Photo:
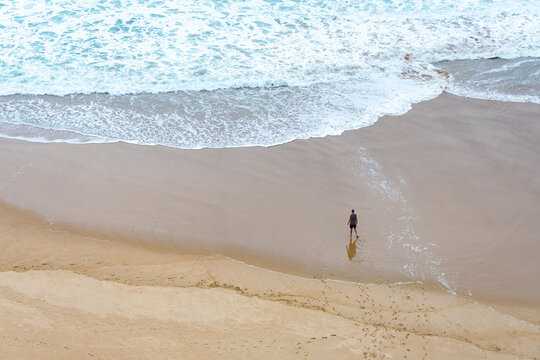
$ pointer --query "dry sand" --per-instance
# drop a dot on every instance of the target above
(67, 295)
(449, 193)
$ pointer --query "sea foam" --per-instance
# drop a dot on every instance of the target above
(237, 73)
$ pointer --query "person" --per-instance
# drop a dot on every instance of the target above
(352, 223)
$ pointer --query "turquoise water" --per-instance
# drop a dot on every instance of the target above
(237, 73)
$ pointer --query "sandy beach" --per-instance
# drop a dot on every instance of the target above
(67, 295)
(126, 251)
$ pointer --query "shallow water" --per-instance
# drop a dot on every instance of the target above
(216, 118)
(227, 74)
(516, 80)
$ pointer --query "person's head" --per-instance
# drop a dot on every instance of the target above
(352, 211)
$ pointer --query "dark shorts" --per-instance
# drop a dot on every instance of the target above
(352, 226)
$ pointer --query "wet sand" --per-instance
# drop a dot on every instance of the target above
(66, 295)
(96, 245)
(448, 194)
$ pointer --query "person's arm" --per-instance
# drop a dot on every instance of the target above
(349, 220)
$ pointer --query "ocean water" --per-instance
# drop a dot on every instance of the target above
(220, 73)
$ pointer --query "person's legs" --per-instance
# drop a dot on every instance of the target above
(350, 238)
(356, 232)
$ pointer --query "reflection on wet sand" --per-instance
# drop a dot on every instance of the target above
(351, 249)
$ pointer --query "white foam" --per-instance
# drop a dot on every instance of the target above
(222, 118)
(88, 46)
(343, 64)
(418, 261)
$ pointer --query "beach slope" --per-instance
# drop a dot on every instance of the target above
(66, 295)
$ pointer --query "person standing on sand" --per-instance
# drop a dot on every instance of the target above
(352, 223)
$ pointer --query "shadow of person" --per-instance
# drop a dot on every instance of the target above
(351, 249)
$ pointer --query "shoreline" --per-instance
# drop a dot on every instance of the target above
(283, 175)
(45, 135)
